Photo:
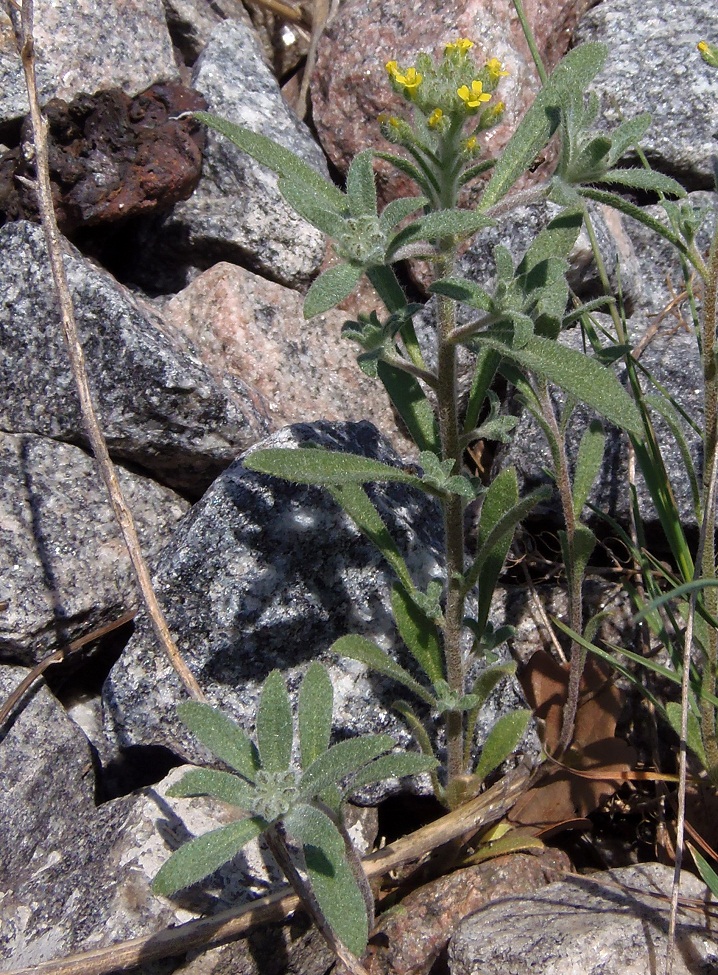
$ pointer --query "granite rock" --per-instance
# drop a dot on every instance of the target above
(159, 407)
(243, 325)
(653, 66)
(191, 22)
(350, 89)
(613, 923)
(236, 213)
(85, 46)
(64, 569)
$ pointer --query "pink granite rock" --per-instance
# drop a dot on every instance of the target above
(246, 326)
(350, 88)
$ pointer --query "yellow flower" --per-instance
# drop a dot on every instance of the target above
(496, 70)
(474, 98)
(435, 118)
(462, 46)
(709, 53)
(410, 80)
(470, 144)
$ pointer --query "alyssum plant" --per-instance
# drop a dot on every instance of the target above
(513, 331)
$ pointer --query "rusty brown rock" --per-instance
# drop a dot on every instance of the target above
(409, 939)
(350, 88)
(111, 157)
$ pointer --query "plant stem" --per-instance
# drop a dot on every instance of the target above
(453, 520)
(531, 41)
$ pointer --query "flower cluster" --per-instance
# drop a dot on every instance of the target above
(446, 93)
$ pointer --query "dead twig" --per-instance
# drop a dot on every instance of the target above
(57, 657)
(235, 923)
(21, 14)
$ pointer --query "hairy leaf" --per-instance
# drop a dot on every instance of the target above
(341, 760)
(203, 855)
(502, 495)
(502, 741)
(274, 725)
(211, 782)
(396, 765)
(361, 188)
(359, 648)
(419, 633)
(411, 403)
(644, 179)
(314, 713)
(337, 892)
(588, 465)
(221, 735)
(308, 465)
(331, 287)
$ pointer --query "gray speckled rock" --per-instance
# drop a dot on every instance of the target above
(159, 406)
(592, 925)
(64, 569)
(83, 46)
(264, 574)
(653, 66)
(236, 213)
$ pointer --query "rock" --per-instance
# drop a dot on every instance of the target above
(236, 213)
(191, 22)
(84, 47)
(263, 574)
(112, 157)
(410, 937)
(669, 79)
(350, 88)
(67, 571)
(246, 326)
(610, 923)
(159, 407)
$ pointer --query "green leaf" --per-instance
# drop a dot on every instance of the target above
(419, 633)
(341, 760)
(411, 403)
(584, 378)
(588, 465)
(309, 465)
(210, 782)
(274, 725)
(314, 713)
(311, 206)
(556, 239)
(501, 497)
(397, 210)
(574, 73)
(644, 179)
(422, 739)
(694, 738)
(507, 522)
(437, 225)
(359, 648)
(330, 288)
(627, 135)
(275, 157)
(639, 214)
(337, 892)
(221, 735)
(502, 741)
(487, 362)
(203, 855)
(397, 765)
(355, 501)
(710, 877)
(361, 188)
(483, 686)
(463, 290)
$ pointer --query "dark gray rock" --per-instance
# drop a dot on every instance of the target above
(159, 406)
(64, 569)
(653, 66)
(85, 46)
(236, 213)
(605, 924)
